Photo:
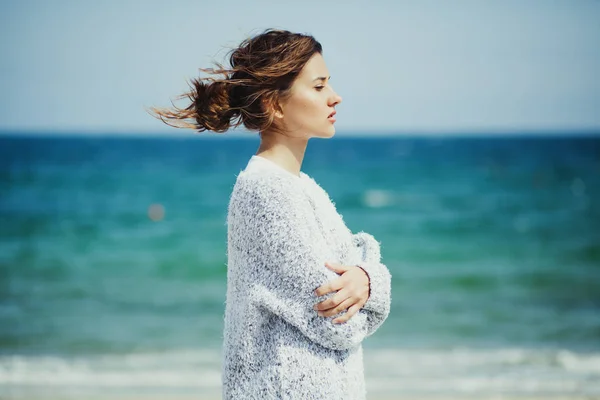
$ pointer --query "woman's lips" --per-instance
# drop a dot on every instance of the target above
(331, 117)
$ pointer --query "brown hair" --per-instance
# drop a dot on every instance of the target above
(262, 70)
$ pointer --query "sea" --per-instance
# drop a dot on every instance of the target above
(113, 261)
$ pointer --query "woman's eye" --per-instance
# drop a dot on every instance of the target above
(319, 88)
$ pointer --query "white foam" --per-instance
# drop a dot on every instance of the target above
(457, 371)
(483, 371)
(377, 198)
(194, 369)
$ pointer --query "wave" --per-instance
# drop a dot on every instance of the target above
(459, 371)
(467, 371)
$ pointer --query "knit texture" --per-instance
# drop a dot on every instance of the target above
(282, 228)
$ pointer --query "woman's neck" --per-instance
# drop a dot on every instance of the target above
(284, 151)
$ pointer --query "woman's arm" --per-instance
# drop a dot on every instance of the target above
(272, 223)
(371, 250)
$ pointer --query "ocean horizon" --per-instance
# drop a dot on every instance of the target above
(342, 134)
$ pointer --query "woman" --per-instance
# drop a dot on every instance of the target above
(302, 290)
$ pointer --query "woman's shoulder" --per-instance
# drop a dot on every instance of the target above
(265, 181)
(267, 188)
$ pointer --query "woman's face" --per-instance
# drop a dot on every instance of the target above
(309, 111)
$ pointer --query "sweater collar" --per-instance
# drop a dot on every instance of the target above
(266, 163)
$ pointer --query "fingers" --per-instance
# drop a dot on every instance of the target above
(338, 268)
(351, 293)
(344, 318)
(333, 301)
(344, 305)
(331, 286)
(335, 284)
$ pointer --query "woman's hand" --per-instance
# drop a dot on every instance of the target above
(352, 292)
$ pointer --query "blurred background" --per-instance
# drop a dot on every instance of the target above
(468, 144)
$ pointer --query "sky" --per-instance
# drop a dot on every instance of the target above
(401, 66)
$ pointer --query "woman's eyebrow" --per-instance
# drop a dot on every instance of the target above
(321, 78)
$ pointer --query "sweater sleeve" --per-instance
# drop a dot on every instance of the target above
(281, 240)
(380, 279)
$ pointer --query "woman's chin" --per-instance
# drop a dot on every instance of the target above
(326, 134)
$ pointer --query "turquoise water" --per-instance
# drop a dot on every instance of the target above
(113, 265)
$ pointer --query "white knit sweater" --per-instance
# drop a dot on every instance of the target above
(282, 228)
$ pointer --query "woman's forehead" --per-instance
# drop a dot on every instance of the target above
(314, 69)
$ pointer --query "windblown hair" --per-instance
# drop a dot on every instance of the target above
(262, 70)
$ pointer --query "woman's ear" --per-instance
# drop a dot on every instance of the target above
(273, 106)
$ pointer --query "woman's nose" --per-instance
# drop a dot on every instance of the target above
(336, 99)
